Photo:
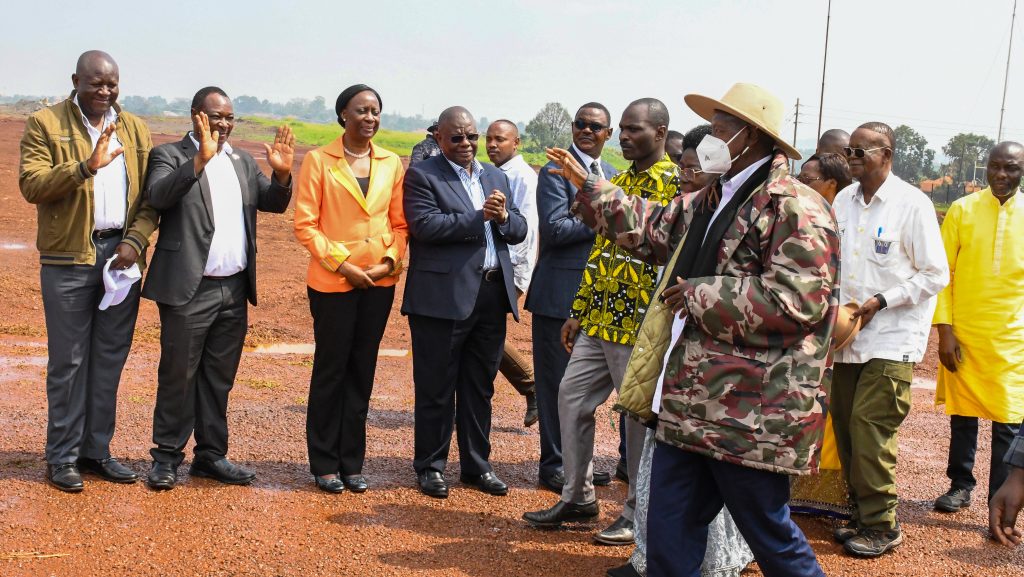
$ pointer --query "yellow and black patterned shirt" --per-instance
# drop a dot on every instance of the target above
(616, 287)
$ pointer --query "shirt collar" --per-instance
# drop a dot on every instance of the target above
(226, 150)
(109, 117)
(477, 168)
(883, 191)
(741, 177)
(512, 163)
(586, 158)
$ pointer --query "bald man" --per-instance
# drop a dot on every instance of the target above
(834, 140)
(458, 293)
(82, 165)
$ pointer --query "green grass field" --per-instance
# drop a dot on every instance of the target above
(400, 143)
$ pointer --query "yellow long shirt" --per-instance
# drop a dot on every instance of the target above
(984, 302)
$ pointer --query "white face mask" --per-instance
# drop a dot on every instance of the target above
(713, 153)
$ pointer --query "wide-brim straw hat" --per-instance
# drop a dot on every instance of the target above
(751, 104)
(846, 328)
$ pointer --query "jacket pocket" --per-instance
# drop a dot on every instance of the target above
(728, 386)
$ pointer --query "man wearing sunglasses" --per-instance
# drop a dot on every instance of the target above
(458, 293)
(893, 264)
(610, 304)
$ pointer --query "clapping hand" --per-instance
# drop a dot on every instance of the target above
(101, 155)
(281, 154)
(494, 207)
(568, 168)
(209, 141)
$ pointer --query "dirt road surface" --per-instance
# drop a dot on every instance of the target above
(281, 525)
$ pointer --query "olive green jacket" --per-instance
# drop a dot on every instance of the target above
(53, 177)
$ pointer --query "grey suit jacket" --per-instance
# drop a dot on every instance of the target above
(565, 244)
(186, 218)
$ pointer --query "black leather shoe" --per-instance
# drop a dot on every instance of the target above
(531, 417)
(65, 477)
(626, 570)
(221, 470)
(602, 479)
(355, 483)
(432, 484)
(162, 476)
(108, 469)
(554, 483)
(562, 512)
(329, 484)
(488, 483)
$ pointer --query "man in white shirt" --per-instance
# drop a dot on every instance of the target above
(503, 150)
(202, 274)
(893, 265)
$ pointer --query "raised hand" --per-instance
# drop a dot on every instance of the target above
(101, 155)
(208, 141)
(281, 155)
(568, 168)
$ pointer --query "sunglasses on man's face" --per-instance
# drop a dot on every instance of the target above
(458, 138)
(593, 126)
(860, 152)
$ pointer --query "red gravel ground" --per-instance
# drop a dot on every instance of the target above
(281, 525)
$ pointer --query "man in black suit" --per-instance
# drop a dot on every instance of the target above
(565, 244)
(458, 292)
(203, 271)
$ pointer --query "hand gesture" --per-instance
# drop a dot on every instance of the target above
(355, 276)
(866, 312)
(950, 354)
(569, 331)
(208, 141)
(1004, 507)
(281, 154)
(494, 207)
(568, 168)
(102, 155)
(126, 256)
(675, 297)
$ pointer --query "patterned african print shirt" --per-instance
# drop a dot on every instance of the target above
(616, 287)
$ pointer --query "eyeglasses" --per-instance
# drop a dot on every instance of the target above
(458, 138)
(806, 179)
(593, 126)
(860, 152)
(691, 173)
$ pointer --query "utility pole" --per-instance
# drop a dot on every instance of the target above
(1006, 79)
(824, 66)
(796, 122)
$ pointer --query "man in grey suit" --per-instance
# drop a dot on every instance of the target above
(458, 293)
(565, 244)
(202, 274)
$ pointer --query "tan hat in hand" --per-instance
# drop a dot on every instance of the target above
(846, 327)
(751, 104)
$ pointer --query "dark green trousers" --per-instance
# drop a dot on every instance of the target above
(868, 403)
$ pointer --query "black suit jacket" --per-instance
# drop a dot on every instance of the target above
(186, 218)
(447, 243)
(565, 244)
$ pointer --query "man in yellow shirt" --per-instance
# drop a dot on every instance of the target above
(981, 331)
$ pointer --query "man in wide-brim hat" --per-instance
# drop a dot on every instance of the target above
(736, 343)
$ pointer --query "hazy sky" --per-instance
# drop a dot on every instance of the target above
(935, 65)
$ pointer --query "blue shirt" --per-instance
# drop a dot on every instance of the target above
(475, 190)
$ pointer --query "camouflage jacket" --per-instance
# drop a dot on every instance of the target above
(743, 382)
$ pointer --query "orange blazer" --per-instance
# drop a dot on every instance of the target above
(335, 222)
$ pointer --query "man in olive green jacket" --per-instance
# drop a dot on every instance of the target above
(82, 165)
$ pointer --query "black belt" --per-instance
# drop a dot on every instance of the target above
(106, 233)
(211, 277)
(492, 275)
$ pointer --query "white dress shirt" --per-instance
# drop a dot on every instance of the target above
(891, 246)
(588, 161)
(523, 182)
(475, 191)
(110, 185)
(729, 188)
(227, 249)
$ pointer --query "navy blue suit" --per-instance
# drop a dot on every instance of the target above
(565, 244)
(457, 315)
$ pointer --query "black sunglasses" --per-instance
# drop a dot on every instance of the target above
(457, 138)
(593, 126)
(860, 152)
